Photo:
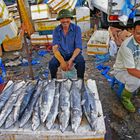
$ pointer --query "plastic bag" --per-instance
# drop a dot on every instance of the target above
(69, 74)
(127, 12)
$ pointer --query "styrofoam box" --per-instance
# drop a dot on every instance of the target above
(55, 3)
(98, 43)
(70, 5)
(83, 18)
(40, 11)
(48, 24)
(10, 30)
(3, 11)
(40, 39)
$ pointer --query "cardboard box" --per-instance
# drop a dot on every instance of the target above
(40, 11)
(37, 39)
(49, 24)
(3, 11)
(8, 29)
(83, 18)
(98, 43)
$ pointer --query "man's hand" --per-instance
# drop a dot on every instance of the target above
(70, 64)
(59, 57)
(133, 71)
(64, 66)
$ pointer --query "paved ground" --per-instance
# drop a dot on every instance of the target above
(120, 124)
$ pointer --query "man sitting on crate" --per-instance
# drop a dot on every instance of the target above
(67, 46)
(127, 67)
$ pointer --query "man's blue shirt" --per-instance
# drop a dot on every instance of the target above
(69, 42)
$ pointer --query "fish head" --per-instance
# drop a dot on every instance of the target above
(49, 125)
(75, 123)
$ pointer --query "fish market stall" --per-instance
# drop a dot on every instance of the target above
(21, 131)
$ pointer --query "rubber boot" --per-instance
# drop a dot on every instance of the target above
(126, 100)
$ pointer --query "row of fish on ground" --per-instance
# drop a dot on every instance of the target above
(42, 102)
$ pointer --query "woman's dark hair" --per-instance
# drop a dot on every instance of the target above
(136, 23)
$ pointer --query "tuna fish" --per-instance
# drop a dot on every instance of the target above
(64, 107)
(46, 100)
(54, 109)
(12, 100)
(29, 110)
(23, 99)
(89, 106)
(36, 117)
(76, 108)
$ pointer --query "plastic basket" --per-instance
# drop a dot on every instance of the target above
(13, 44)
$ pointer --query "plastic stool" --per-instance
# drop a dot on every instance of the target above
(117, 86)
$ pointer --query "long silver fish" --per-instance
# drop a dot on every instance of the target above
(89, 106)
(36, 120)
(5, 95)
(10, 119)
(76, 108)
(47, 100)
(36, 117)
(54, 109)
(64, 107)
(68, 83)
(27, 97)
(12, 100)
(24, 98)
(40, 100)
(28, 111)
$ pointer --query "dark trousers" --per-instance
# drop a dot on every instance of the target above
(79, 66)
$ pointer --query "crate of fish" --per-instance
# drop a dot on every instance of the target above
(56, 109)
(98, 43)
